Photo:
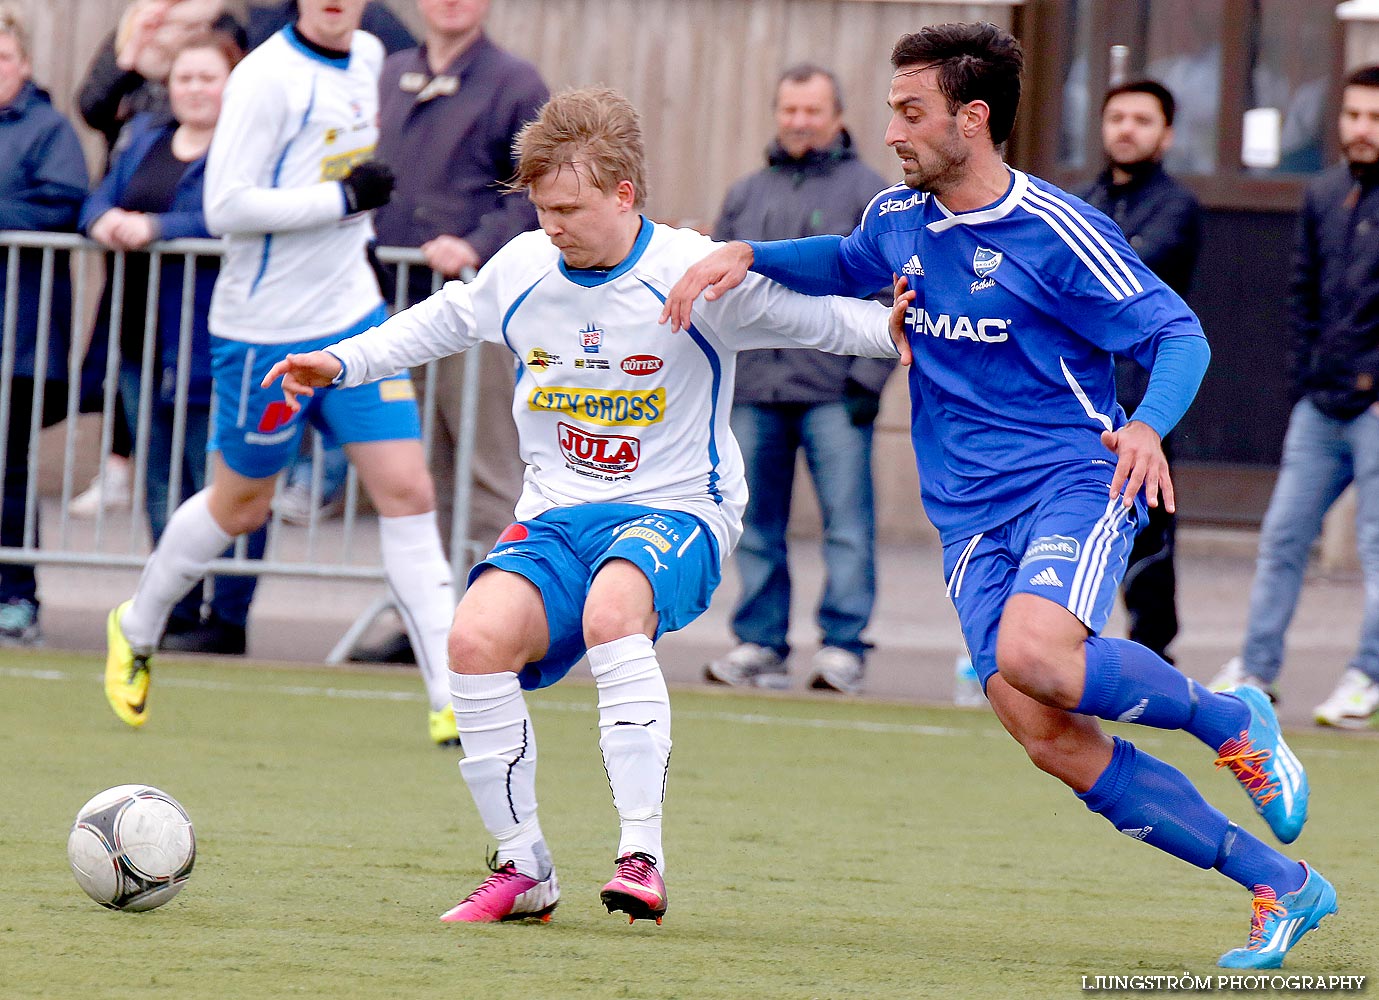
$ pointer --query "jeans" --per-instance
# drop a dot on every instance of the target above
(231, 594)
(17, 580)
(1321, 456)
(839, 458)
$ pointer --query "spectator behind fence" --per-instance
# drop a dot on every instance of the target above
(788, 400)
(1163, 223)
(294, 204)
(265, 21)
(153, 192)
(1333, 432)
(129, 73)
(450, 110)
(128, 77)
(42, 183)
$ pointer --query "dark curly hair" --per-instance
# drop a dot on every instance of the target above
(976, 62)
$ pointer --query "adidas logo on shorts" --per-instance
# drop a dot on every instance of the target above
(913, 266)
(1046, 577)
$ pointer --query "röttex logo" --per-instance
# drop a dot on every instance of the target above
(642, 364)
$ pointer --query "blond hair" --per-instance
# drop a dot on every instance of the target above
(593, 127)
(12, 24)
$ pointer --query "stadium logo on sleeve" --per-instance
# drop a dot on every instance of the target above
(591, 339)
(642, 364)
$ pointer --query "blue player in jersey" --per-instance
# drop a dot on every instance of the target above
(1031, 472)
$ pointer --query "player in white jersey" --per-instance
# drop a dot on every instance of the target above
(634, 487)
(290, 183)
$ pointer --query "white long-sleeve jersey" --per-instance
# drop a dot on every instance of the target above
(611, 406)
(292, 124)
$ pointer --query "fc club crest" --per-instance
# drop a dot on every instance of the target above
(591, 339)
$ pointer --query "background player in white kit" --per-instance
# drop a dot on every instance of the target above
(289, 182)
(634, 487)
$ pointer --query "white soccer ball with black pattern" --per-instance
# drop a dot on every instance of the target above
(132, 847)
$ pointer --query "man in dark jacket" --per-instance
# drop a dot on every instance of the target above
(448, 114)
(1163, 222)
(1333, 432)
(788, 400)
(42, 184)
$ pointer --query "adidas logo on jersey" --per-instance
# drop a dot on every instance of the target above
(913, 266)
(1138, 832)
(1046, 577)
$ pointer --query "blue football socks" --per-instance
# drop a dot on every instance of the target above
(1127, 682)
(1148, 800)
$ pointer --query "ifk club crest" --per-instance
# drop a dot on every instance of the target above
(591, 339)
(985, 261)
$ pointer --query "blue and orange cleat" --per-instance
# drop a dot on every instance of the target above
(1269, 772)
(507, 894)
(1278, 924)
(637, 889)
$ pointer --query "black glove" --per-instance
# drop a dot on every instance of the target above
(862, 404)
(368, 185)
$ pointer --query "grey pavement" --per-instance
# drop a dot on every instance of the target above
(914, 629)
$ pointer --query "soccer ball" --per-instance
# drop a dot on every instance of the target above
(132, 847)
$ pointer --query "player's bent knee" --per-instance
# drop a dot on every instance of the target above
(474, 650)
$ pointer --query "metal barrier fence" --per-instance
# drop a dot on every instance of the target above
(105, 542)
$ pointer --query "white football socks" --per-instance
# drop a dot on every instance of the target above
(419, 578)
(190, 542)
(499, 765)
(634, 735)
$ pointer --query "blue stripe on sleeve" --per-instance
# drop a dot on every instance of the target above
(1179, 364)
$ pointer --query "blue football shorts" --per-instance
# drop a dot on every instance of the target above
(561, 550)
(258, 434)
(1070, 548)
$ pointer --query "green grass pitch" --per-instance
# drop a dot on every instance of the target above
(817, 849)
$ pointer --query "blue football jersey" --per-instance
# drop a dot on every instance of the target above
(1020, 309)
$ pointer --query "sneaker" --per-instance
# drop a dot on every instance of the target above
(1351, 706)
(109, 489)
(507, 894)
(838, 670)
(444, 732)
(1232, 675)
(1272, 776)
(214, 636)
(19, 623)
(1278, 924)
(126, 673)
(637, 889)
(749, 665)
(395, 648)
(293, 504)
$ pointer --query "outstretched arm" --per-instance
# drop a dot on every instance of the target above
(302, 374)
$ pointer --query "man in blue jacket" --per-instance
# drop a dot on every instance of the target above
(42, 184)
(792, 400)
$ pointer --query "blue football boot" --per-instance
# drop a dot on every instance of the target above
(1278, 924)
(1270, 773)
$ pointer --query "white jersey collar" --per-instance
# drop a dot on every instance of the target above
(1019, 184)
